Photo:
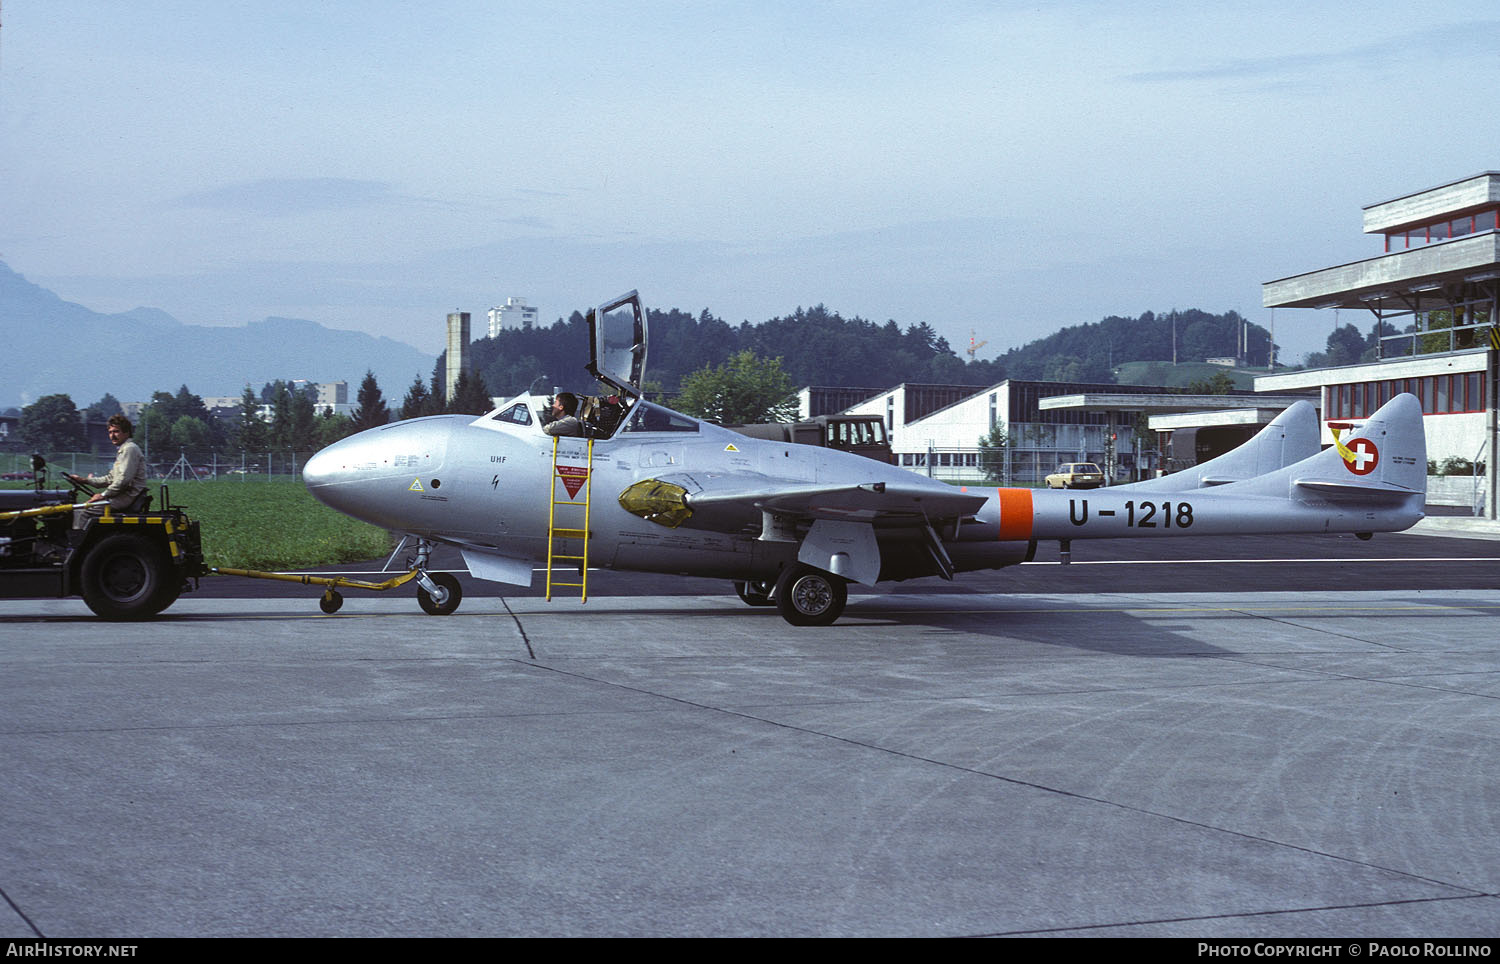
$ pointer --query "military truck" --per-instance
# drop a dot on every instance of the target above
(861, 434)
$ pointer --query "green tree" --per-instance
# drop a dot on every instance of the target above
(470, 397)
(1219, 383)
(52, 424)
(153, 426)
(992, 453)
(1436, 321)
(372, 411)
(191, 434)
(742, 391)
(332, 427)
(185, 403)
(1345, 345)
(251, 435)
(280, 434)
(414, 405)
(101, 410)
(304, 423)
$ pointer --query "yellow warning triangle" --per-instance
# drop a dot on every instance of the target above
(416, 486)
(730, 448)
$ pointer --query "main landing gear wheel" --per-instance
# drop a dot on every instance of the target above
(756, 592)
(810, 597)
(332, 601)
(124, 577)
(452, 594)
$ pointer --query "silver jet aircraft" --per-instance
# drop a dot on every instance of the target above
(791, 525)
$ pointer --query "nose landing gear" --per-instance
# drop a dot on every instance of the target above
(438, 593)
(443, 595)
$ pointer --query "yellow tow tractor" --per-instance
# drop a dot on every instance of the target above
(125, 565)
(134, 564)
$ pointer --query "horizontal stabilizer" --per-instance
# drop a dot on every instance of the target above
(1370, 492)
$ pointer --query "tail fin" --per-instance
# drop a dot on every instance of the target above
(1289, 438)
(1383, 460)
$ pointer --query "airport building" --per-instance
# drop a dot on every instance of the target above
(935, 429)
(815, 400)
(1434, 292)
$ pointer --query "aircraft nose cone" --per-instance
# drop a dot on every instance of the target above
(319, 469)
(367, 475)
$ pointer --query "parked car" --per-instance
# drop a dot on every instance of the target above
(1076, 475)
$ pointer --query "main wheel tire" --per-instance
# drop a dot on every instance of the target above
(125, 576)
(449, 584)
(756, 592)
(810, 597)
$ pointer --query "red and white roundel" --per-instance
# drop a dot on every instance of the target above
(1366, 457)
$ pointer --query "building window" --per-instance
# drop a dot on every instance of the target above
(1441, 230)
(1438, 395)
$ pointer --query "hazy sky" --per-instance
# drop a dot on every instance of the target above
(1003, 167)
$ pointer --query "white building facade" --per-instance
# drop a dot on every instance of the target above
(512, 315)
(943, 440)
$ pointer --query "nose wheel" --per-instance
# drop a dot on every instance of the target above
(438, 593)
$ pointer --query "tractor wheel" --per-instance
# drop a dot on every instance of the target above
(125, 576)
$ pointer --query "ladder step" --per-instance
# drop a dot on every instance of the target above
(569, 473)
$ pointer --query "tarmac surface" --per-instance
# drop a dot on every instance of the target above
(1229, 761)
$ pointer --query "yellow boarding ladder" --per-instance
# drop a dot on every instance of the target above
(576, 474)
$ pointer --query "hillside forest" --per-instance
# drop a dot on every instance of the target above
(821, 347)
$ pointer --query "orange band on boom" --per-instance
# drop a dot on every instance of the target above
(1015, 515)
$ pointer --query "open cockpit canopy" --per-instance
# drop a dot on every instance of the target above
(617, 344)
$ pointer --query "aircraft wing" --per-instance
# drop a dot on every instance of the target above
(732, 501)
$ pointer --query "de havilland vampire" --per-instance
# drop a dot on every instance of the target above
(791, 525)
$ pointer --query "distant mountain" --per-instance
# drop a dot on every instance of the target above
(49, 346)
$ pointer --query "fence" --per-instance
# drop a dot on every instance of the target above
(183, 466)
(1011, 466)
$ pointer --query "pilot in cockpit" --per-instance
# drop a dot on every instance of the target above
(564, 416)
